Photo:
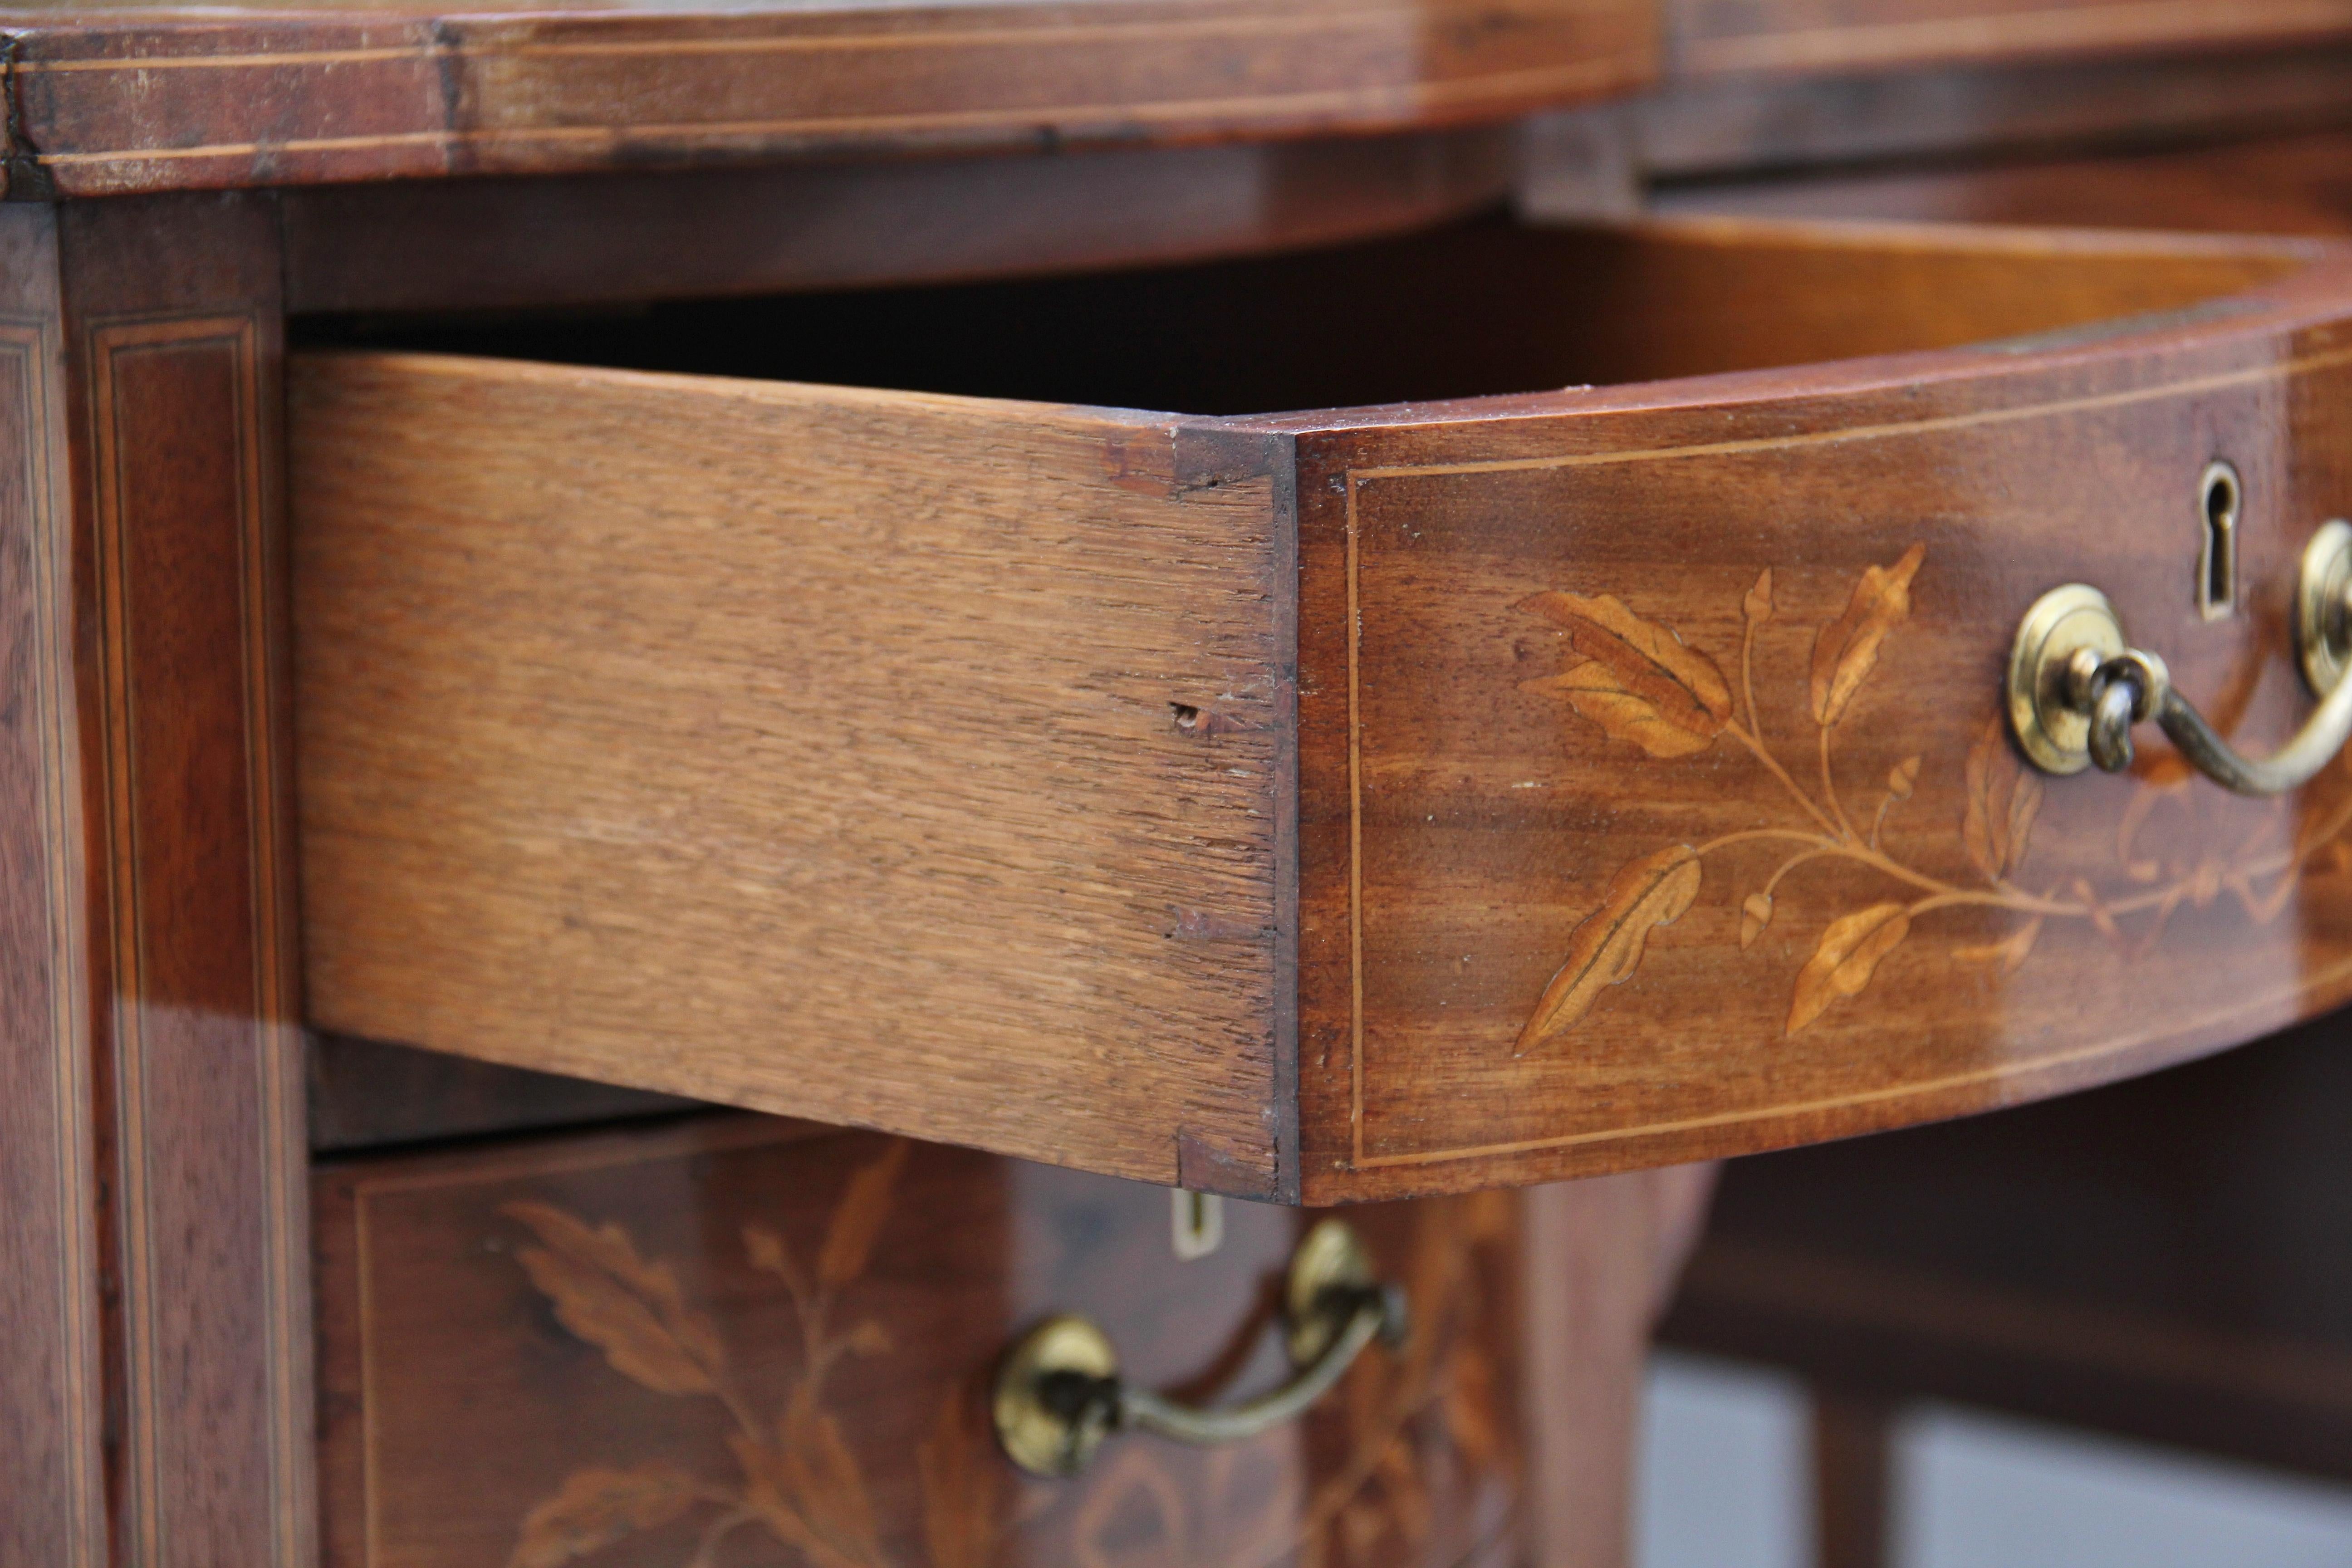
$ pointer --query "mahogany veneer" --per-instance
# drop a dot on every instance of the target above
(746, 1332)
(103, 103)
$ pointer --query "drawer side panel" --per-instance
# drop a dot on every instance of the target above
(900, 762)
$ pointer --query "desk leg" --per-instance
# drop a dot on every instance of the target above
(1852, 1478)
(1602, 1257)
(155, 1367)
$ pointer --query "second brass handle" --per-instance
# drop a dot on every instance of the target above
(1058, 1393)
(2076, 687)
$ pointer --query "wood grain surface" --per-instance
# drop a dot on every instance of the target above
(109, 102)
(156, 1199)
(932, 782)
(757, 1335)
(637, 756)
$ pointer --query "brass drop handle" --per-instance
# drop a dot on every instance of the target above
(1058, 1393)
(2076, 687)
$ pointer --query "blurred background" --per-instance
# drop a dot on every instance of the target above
(1726, 1484)
(2114, 1328)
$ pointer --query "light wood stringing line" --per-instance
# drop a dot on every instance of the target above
(1935, 426)
(109, 343)
(1406, 96)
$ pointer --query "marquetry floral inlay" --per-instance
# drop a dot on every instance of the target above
(799, 1482)
(1425, 1439)
(1638, 681)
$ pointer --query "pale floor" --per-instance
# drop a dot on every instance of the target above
(1724, 1485)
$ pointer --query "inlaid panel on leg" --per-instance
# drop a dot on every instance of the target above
(203, 1030)
(156, 1207)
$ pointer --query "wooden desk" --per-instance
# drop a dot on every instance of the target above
(486, 759)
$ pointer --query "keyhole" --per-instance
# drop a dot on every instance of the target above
(2217, 562)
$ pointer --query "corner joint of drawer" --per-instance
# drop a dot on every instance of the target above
(1208, 459)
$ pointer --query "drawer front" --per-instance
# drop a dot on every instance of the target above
(621, 1348)
(1658, 798)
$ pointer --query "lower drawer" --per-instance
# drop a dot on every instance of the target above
(733, 1340)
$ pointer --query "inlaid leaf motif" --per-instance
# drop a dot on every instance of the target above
(2003, 797)
(1845, 960)
(1607, 948)
(1846, 651)
(857, 1220)
(768, 1493)
(766, 1251)
(1597, 695)
(2163, 777)
(1252, 1512)
(2103, 919)
(597, 1506)
(1639, 682)
(2010, 952)
(827, 1486)
(1131, 1509)
(802, 1484)
(1471, 1403)
(629, 1309)
(1406, 1494)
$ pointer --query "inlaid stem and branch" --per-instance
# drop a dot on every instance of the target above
(1639, 682)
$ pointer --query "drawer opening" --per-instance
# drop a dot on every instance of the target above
(1200, 801)
(1484, 308)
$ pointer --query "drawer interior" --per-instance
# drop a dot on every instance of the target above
(1488, 307)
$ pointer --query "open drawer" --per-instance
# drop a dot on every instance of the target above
(1381, 800)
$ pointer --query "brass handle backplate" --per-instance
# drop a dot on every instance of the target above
(2076, 686)
(1058, 1393)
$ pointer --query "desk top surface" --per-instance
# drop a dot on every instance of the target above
(124, 100)
(117, 99)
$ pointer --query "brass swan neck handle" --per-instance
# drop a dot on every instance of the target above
(2076, 687)
(1058, 1393)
